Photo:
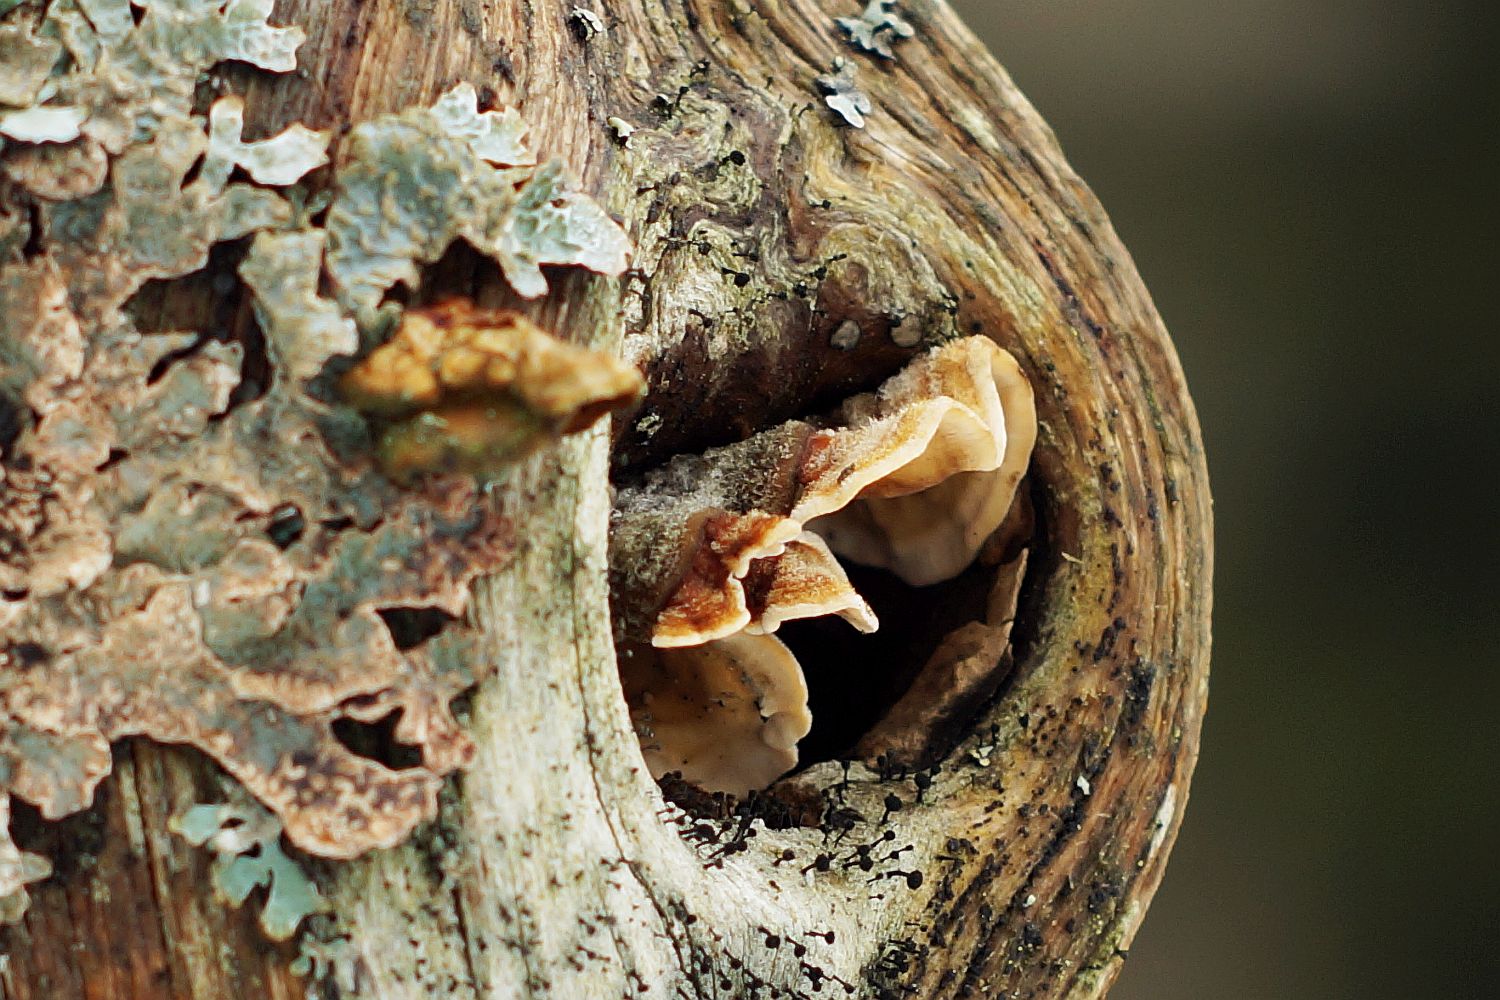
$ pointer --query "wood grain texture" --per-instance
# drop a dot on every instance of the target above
(762, 224)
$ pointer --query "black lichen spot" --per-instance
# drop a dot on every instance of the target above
(1107, 638)
(1102, 895)
(1138, 692)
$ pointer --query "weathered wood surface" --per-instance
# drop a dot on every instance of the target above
(762, 224)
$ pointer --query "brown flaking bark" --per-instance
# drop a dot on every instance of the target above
(552, 872)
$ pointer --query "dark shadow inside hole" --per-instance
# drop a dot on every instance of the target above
(1041, 566)
(114, 458)
(460, 271)
(286, 525)
(410, 627)
(25, 656)
(36, 242)
(854, 679)
(14, 417)
(71, 843)
(377, 741)
(206, 299)
(169, 359)
(212, 302)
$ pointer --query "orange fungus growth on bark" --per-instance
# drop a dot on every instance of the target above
(464, 389)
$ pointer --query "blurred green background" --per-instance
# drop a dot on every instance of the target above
(1309, 189)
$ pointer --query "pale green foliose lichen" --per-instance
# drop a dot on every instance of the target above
(280, 160)
(841, 93)
(498, 137)
(333, 962)
(877, 28)
(303, 330)
(54, 124)
(417, 181)
(117, 89)
(25, 63)
(248, 855)
(145, 553)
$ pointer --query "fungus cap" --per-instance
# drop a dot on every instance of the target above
(926, 467)
(728, 714)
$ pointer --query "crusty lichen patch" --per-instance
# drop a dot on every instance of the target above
(186, 558)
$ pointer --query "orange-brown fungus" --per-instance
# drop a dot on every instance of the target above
(467, 389)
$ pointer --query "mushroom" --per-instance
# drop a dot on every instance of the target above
(925, 469)
(759, 710)
(712, 553)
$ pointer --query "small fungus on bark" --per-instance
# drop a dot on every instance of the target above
(465, 389)
(722, 548)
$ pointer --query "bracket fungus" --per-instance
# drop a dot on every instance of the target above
(711, 553)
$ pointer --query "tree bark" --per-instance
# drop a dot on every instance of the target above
(762, 223)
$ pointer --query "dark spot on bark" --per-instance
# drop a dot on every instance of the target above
(1102, 894)
(1138, 692)
(24, 656)
(1107, 638)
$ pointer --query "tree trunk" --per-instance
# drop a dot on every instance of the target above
(762, 223)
